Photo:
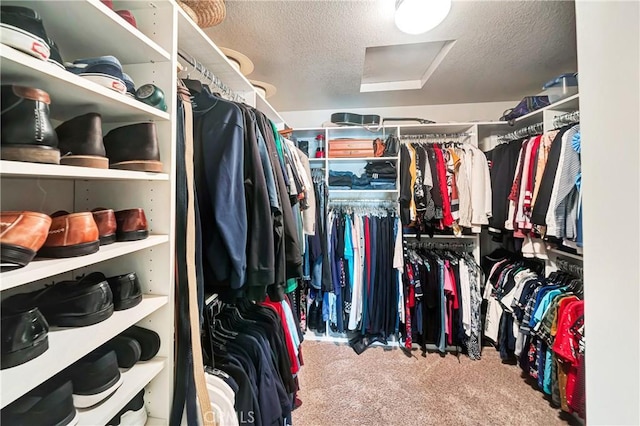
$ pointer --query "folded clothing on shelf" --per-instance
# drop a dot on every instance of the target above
(348, 180)
(382, 169)
(340, 178)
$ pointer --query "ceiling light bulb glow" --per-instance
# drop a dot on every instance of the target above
(420, 16)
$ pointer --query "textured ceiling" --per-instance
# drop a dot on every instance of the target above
(313, 51)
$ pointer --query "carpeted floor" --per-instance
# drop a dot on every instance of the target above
(385, 387)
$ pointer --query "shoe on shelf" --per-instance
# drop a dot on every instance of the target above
(22, 29)
(149, 341)
(134, 147)
(55, 58)
(133, 414)
(103, 70)
(108, 3)
(131, 86)
(51, 403)
(106, 221)
(26, 130)
(80, 142)
(127, 349)
(126, 291)
(22, 234)
(73, 303)
(132, 225)
(128, 16)
(95, 377)
(71, 235)
(24, 336)
(152, 95)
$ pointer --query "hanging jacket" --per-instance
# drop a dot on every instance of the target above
(260, 241)
(219, 159)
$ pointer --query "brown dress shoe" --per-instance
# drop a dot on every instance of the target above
(71, 235)
(21, 236)
(106, 221)
(132, 225)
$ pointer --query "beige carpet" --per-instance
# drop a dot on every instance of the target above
(384, 387)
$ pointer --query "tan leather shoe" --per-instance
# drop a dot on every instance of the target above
(132, 225)
(106, 221)
(22, 234)
(71, 235)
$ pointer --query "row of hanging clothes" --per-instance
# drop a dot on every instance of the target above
(245, 201)
(538, 322)
(444, 184)
(441, 300)
(536, 180)
(364, 254)
(255, 195)
(255, 350)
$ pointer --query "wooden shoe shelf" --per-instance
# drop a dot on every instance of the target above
(149, 54)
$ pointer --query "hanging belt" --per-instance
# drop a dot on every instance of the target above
(194, 315)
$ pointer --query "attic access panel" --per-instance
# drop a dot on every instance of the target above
(402, 66)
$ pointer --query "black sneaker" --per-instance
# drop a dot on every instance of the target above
(148, 339)
(49, 404)
(55, 58)
(22, 29)
(70, 303)
(127, 349)
(133, 414)
(24, 336)
(126, 291)
(95, 377)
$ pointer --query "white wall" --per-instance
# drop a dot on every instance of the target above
(608, 62)
(488, 111)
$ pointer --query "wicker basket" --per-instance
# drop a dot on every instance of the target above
(189, 12)
(208, 12)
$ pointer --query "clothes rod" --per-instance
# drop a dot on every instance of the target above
(534, 129)
(569, 118)
(200, 68)
(436, 136)
(354, 201)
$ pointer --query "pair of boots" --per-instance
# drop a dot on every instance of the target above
(28, 135)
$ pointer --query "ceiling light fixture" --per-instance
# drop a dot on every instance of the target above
(420, 16)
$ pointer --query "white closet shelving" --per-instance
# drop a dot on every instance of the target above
(488, 139)
(149, 54)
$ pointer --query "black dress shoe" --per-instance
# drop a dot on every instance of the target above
(126, 291)
(134, 147)
(95, 377)
(80, 142)
(148, 339)
(71, 303)
(27, 133)
(49, 404)
(127, 349)
(24, 336)
(22, 29)
(133, 414)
